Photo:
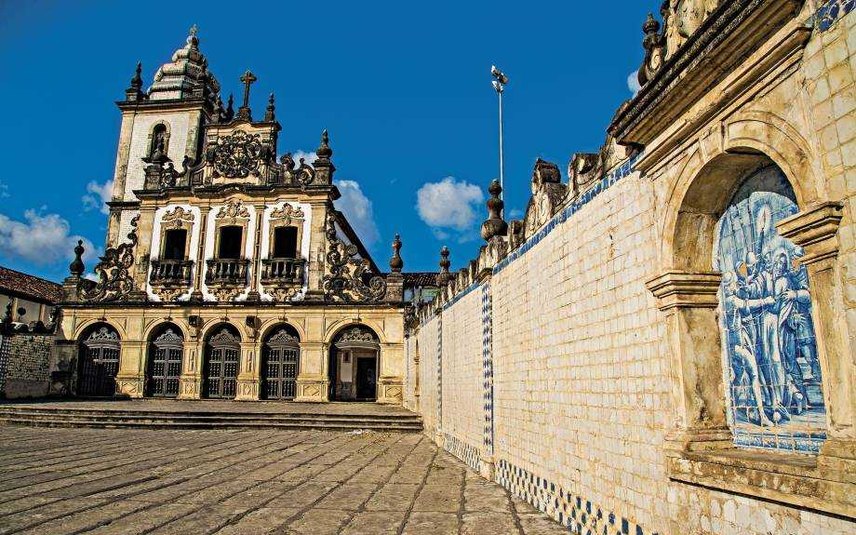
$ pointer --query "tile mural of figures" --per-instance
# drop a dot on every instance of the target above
(770, 355)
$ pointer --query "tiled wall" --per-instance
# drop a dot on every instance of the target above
(575, 377)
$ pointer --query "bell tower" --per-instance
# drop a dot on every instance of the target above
(163, 124)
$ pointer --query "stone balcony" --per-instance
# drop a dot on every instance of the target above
(283, 277)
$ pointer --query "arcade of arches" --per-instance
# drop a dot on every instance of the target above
(281, 360)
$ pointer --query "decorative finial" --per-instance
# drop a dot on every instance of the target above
(494, 225)
(135, 90)
(230, 107)
(324, 151)
(248, 78)
(137, 80)
(396, 263)
(270, 112)
(192, 38)
(76, 268)
(654, 44)
(651, 25)
(444, 276)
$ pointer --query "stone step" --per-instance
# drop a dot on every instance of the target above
(135, 424)
(48, 416)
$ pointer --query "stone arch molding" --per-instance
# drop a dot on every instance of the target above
(270, 326)
(756, 133)
(84, 326)
(338, 326)
(160, 322)
(208, 329)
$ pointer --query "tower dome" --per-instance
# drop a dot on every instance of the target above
(186, 75)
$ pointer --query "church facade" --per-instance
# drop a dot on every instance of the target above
(228, 272)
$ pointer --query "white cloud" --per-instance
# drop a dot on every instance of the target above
(97, 195)
(450, 205)
(310, 157)
(358, 210)
(41, 239)
(633, 82)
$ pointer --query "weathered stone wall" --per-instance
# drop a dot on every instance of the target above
(27, 364)
(584, 378)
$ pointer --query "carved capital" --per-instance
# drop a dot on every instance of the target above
(814, 229)
(681, 289)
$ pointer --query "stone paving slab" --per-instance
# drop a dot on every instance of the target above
(139, 481)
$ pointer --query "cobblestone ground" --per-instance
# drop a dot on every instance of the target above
(58, 481)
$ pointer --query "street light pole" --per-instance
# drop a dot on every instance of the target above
(499, 81)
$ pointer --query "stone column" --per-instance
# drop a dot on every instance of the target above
(191, 377)
(312, 381)
(199, 268)
(390, 382)
(689, 301)
(130, 381)
(249, 376)
(815, 230)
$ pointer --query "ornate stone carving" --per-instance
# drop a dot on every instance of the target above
(115, 282)
(238, 155)
(169, 339)
(177, 218)
(444, 276)
(548, 193)
(283, 338)
(233, 211)
(224, 338)
(350, 278)
(655, 50)
(357, 337)
(288, 213)
(103, 337)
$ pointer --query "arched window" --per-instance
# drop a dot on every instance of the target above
(99, 361)
(159, 138)
(222, 360)
(280, 363)
(164, 362)
(770, 361)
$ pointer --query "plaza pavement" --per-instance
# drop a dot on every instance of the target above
(103, 481)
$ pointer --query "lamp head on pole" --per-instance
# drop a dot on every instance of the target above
(500, 79)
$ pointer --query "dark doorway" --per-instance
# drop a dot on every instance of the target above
(353, 365)
(174, 244)
(222, 359)
(280, 362)
(164, 363)
(366, 378)
(230, 242)
(99, 362)
(285, 242)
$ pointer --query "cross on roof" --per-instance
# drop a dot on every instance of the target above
(248, 78)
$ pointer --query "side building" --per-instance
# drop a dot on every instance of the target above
(228, 272)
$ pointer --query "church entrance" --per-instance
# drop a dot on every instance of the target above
(280, 359)
(222, 359)
(164, 365)
(99, 362)
(353, 365)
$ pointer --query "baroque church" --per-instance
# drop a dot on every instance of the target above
(228, 272)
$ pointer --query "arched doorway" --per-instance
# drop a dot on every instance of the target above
(99, 361)
(354, 364)
(166, 347)
(280, 361)
(222, 360)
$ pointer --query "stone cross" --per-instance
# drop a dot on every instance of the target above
(248, 78)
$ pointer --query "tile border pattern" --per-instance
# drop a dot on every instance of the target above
(469, 454)
(579, 515)
(830, 12)
(487, 367)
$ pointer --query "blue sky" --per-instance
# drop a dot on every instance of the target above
(403, 87)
